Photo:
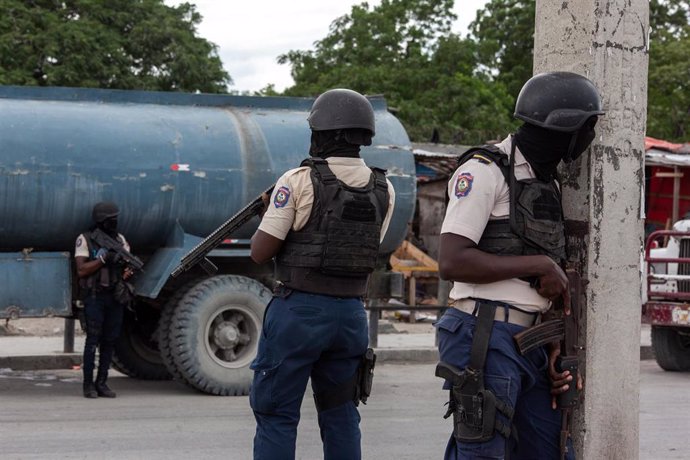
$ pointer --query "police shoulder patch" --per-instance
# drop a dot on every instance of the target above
(281, 197)
(463, 184)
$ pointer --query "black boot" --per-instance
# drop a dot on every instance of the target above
(90, 390)
(103, 390)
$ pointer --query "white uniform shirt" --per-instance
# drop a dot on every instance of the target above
(81, 249)
(293, 196)
(478, 193)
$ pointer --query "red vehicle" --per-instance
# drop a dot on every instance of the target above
(666, 295)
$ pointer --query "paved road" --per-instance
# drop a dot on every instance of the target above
(43, 416)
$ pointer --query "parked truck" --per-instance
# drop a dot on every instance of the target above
(178, 165)
(666, 298)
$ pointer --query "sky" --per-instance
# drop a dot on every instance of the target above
(251, 34)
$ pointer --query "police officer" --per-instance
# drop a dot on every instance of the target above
(323, 224)
(98, 274)
(503, 244)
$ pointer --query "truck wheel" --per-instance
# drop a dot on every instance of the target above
(136, 352)
(164, 341)
(671, 348)
(214, 333)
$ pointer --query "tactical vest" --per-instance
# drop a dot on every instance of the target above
(337, 249)
(103, 279)
(535, 225)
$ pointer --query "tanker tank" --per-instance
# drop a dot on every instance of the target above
(163, 157)
(178, 165)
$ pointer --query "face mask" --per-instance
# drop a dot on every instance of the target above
(582, 140)
(110, 226)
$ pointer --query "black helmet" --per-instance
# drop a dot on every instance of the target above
(341, 109)
(559, 101)
(104, 210)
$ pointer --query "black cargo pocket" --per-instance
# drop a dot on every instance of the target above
(261, 395)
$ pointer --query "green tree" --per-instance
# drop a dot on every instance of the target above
(668, 99)
(504, 32)
(125, 44)
(405, 50)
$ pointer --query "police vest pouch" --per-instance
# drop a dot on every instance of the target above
(535, 224)
(337, 249)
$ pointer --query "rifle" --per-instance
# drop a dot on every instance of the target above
(564, 330)
(112, 244)
(198, 254)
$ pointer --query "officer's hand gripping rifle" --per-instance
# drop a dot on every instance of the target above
(564, 330)
(122, 256)
(198, 254)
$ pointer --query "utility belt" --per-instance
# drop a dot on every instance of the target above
(505, 311)
(474, 408)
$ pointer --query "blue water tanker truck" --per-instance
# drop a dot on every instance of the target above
(178, 165)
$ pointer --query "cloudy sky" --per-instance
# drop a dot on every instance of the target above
(251, 34)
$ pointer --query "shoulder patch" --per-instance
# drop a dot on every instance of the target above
(463, 184)
(281, 197)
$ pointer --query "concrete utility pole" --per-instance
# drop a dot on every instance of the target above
(607, 41)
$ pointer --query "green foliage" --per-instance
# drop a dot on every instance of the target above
(405, 50)
(668, 19)
(464, 89)
(126, 44)
(668, 100)
(504, 30)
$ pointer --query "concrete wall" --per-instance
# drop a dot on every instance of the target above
(607, 41)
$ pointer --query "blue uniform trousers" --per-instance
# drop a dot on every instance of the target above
(103, 318)
(519, 381)
(307, 335)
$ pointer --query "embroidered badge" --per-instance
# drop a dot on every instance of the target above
(281, 197)
(463, 184)
(79, 242)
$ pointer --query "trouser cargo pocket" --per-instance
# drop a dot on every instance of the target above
(261, 396)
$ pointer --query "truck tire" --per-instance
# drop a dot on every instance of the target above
(214, 333)
(136, 351)
(671, 348)
(163, 332)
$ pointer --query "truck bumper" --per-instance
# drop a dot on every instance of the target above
(659, 313)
